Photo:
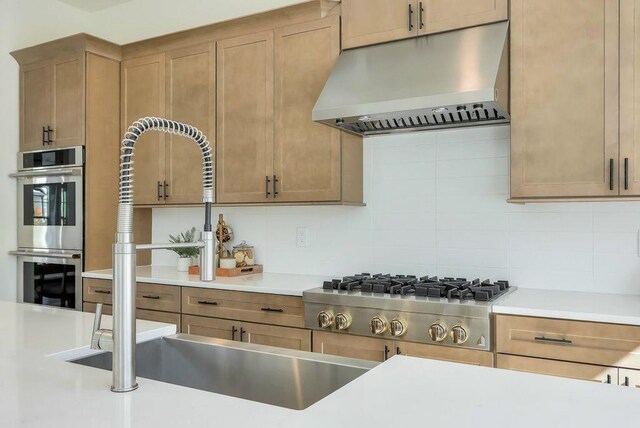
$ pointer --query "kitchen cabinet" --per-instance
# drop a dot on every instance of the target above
(307, 156)
(629, 378)
(52, 103)
(244, 151)
(143, 95)
(261, 334)
(435, 16)
(588, 372)
(345, 345)
(155, 297)
(367, 22)
(444, 353)
(190, 98)
(564, 99)
(141, 314)
(272, 80)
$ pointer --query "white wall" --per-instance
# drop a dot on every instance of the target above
(29, 22)
(436, 204)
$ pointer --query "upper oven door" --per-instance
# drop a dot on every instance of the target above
(50, 209)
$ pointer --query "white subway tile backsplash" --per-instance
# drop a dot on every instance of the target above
(436, 205)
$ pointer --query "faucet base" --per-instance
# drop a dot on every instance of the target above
(133, 388)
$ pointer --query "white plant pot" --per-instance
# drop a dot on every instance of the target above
(183, 264)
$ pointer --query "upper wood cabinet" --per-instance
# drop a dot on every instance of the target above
(564, 98)
(367, 22)
(179, 85)
(52, 103)
(268, 148)
(307, 158)
(244, 165)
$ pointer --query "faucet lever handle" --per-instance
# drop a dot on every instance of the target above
(97, 318)
(100, 339)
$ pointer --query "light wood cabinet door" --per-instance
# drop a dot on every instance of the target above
(588, 372)
(629, 97)
(245, 118)
(445, 353)
(367, 22)
(190, 98)
(35, 105)
(143, 87)
(68, 102)
(211, 327)
(629, 378)
(443, 15)
(346, 345)
(307, 162)
(281, 337)
(564, 98)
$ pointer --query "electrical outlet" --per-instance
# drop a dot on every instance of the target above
(302, 237)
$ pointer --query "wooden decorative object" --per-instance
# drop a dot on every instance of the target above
(248, 270)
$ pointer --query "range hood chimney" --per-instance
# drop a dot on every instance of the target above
(453, 79)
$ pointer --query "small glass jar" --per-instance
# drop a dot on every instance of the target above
(244, 254)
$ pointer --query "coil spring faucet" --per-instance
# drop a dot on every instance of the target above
(122, 339)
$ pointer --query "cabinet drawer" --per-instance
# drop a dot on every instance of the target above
(282, 337)
(579, 341)
(141, 314)
(239, 305)
(96, 290)
(158, 297)
(588, 372)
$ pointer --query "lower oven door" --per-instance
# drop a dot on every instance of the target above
(52, 278)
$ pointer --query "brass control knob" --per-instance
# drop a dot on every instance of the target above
(343, 321)
(438, 331)
(397, 327)
(459, 334)
(378, 325)
(325, 319)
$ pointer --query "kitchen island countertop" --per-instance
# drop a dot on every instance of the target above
(39, 390)
(270, 283)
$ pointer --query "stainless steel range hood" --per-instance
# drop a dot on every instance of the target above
(453, 79)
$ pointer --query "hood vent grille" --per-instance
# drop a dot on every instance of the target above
(464, 115)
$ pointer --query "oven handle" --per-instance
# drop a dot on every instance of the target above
(48, 172)
(48, 255)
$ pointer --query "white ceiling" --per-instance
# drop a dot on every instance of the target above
(94, 5)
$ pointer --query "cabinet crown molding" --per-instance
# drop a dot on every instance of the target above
(67, 46)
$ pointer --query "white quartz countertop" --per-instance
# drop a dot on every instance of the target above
(271, 283)
(572, 305)
(39, 390)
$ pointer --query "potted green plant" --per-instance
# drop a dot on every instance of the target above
(185, 255)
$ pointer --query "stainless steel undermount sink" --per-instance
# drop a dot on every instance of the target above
(281, 377)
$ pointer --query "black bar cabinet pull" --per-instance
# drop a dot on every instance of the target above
(626, 381)
(386, 352)
(233, 332)
(608, 379)
(610, 174)
(103, 291)
(550, 339)
(275, 186)
(44, 140)
(49, 132)
(149, 296)
(272, 309)
(410, 17)
(626, 173)
(242, 332)
(397, 347)
(421, 16)
(166, 190)
(266, 186)
(206, 302)
(159, 190)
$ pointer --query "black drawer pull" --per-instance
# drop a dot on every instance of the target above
(386, 352)
(242, 332)
(233, 332)
(206, 302)
(552, 340)
(610, 174)
(151, 297)
(398, 350)
(160, 187)
(103, 291)
(626, 173)
(608, 379)
(266, 187)
(272, 309)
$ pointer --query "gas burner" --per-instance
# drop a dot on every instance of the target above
(426, 286)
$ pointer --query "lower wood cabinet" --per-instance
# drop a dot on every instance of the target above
(588, 372)
(141, 314)
(261, 334)
(369, 348)
(627, 377)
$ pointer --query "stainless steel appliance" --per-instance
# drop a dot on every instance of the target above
(441, 311)
(458, 78)
(50, 226)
